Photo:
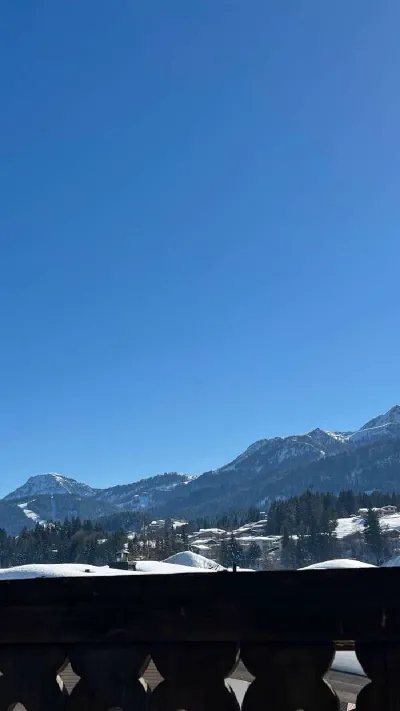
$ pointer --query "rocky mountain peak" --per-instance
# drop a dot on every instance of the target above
(50, 483)
(391, 417)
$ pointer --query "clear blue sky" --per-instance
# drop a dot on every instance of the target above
(199, 224)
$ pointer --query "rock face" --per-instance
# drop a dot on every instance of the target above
(366, 459)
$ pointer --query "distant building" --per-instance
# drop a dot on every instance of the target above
(380, 511)
(208, 532)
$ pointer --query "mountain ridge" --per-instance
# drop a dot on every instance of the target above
(279, 466)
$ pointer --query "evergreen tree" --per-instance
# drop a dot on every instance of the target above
(224, 553)
(289, 556)
(373, 536)
(235, 552)
(253, 554)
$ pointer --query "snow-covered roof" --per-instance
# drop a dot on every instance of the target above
(193, 560)
(210, 530)
(338, 563)
(259, 539)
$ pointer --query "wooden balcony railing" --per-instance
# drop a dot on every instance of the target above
(284, 628)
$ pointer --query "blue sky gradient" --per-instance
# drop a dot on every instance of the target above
(199, 226)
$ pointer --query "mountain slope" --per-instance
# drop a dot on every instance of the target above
(12, 519)
(51, 483)
(57, 507)
(368, 458)
(146, 493)
(47, 497)
(390, 417)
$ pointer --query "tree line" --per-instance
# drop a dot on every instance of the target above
(308, 524)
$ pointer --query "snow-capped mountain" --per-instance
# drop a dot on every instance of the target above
(382, 427)
(51, 483)
(389, 418)
(52, 497)
(325, 460)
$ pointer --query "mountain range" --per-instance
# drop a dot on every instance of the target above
(363, 460)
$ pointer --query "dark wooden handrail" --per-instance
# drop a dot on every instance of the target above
(284, 627)
(310, 605)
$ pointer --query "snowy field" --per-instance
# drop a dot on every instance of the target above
(354, 524)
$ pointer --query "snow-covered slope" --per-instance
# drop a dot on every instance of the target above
(145, 493)
(193, 560)
(355, 524)
(392, 416)
(323, 460)
(51, 483)
(390, 430)
(31, 514)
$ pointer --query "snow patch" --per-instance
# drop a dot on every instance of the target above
(31, 514)
(388, 430)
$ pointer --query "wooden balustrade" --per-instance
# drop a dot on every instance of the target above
(283, 627)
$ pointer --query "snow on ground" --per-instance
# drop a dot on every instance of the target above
(77, 570)
(152, 566)
(353, 524)
(338, 563)
(58, 570)
(390, 429)
(31, 514)
(391, 522)
(193, 560)
(347, 526)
